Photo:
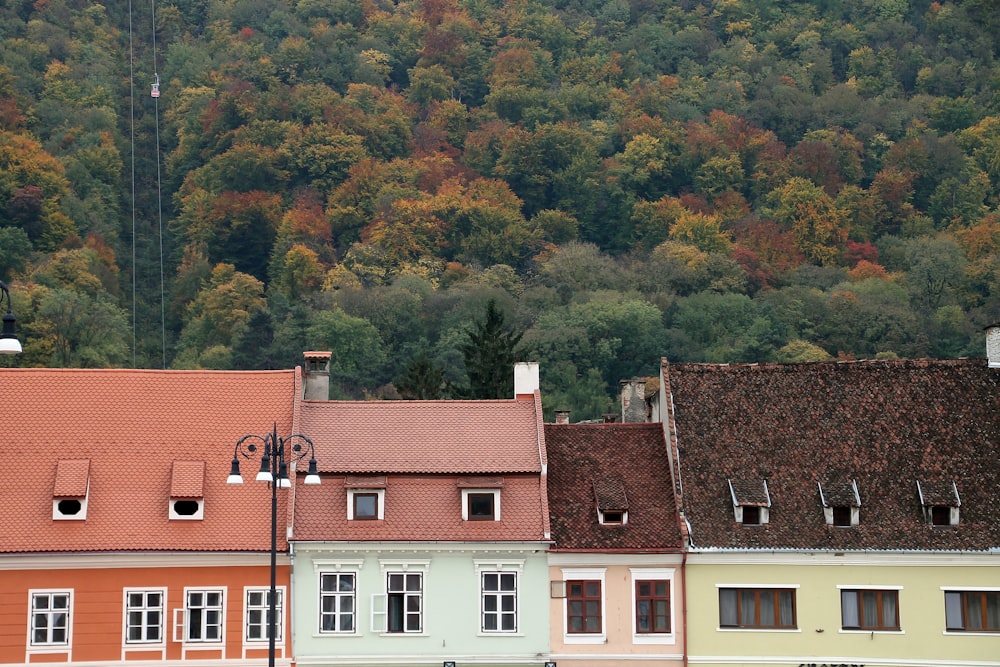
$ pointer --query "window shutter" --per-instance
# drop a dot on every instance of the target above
(180, 620)
(379, 616)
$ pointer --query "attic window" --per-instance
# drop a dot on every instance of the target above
(841, 503)
(751, 501)
(480, 498)
(71, 490)
(187, 499)
(940, 502)
(612, 503)
(365, 498)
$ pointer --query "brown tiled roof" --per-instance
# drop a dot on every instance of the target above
(750, 492)
(133, 426)
(883, 424)
(610, 494)
(938, 493)
(473, 437)
(582, 457)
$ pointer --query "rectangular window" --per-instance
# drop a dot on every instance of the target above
(144, 616)
(50, 618)
(404, 591)
(499, 601)
(258, 615)
(972, 611)
(203, 611)
(757, 608)
(583, 607)
(480, 506)
(337, 598)
(869, 610)
(652, 606)
(365, 506)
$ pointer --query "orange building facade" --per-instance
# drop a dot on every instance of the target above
(120, 539)
(157, 608)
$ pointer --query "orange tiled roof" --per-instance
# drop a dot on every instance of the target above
(420, 508)
(469, 437)
(133, 426)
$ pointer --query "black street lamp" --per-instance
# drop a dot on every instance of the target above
(9, 344)
(273, 449)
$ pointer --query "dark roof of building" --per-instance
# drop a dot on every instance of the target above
(884, 425)
(619, 467)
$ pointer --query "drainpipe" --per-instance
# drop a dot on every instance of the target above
(684, 603)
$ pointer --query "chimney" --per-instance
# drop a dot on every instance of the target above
(525, 378)
(562, 416)
(609, 417)
(317, 384)
(993, 345)
(633, 400)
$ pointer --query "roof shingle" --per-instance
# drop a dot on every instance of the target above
(883, 424)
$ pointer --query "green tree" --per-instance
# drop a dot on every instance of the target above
(489, 355)
(422, 379)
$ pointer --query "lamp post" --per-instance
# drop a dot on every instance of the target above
(277, 452)
(9, 344)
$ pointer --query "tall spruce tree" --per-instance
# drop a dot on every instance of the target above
(489, 356)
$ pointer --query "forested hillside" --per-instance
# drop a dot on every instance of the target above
(723, 180)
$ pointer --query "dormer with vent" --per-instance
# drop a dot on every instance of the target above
(751, 501)
(841, 503)
(612, 503)
(939, 502)
(71, 492)
(187, 495)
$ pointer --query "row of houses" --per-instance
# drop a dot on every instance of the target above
(842, 513)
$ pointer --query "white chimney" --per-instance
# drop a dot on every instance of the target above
(993, 345)
(525, 378)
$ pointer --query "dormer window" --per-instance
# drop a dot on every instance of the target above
(841, 503)
(365, 498)
(187, 499)
(72, 490)
(939, 502)
(612, 503)
(480, 498)
(751, 501)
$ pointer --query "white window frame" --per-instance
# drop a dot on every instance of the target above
(337, 572)
(181, 629)
(966, 589)
(792, 587)
(485, 491)
(279, 612)
(49, 646)
(380, 510)
(654, 574)
(198, 515)
(57, 514)
(603, 519)
(380, 601)
(586, 574)
(144, 609)
(500, 567)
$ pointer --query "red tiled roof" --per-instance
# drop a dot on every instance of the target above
(187, 479)
(582, 458)
(883, 424)
(419, 508)
(133, 426)
(469, 437)
(72, 478)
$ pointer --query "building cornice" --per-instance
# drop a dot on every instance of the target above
(112, 560)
